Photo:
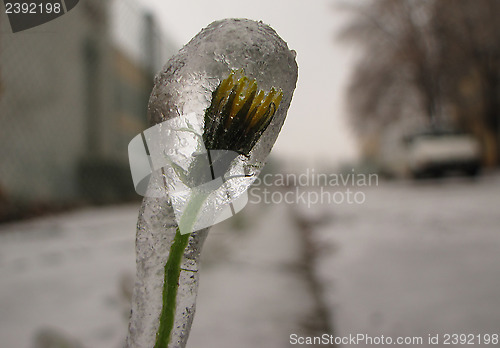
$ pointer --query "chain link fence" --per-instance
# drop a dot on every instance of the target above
(73, 93)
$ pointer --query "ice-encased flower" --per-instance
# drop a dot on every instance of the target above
(239, 113)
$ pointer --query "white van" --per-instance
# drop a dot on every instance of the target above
(435, 153)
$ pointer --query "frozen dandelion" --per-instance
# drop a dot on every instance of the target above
(239, 114)
(236, 78)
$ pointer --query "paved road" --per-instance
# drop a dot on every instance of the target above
(412, 260)
(416, 259)
(64, 274)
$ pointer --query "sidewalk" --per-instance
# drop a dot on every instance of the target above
(252, 293)
(71, 274)
(64, 273)
(414, 260)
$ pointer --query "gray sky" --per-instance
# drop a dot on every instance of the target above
(316, 129)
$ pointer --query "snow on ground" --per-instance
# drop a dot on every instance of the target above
(251, 293)
(64, 273)
(414, 259)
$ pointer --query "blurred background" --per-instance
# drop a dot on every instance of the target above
(404, 92)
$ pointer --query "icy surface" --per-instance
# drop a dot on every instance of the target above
(184, 87)
(178, 154)
(183, 91)
(69, 274)
(413, 260)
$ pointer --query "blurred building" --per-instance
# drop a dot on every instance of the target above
(73, 92)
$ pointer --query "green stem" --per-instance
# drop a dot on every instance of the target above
(170, 286)
(173, 269)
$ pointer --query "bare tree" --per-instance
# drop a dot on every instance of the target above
(434, 58)
(397, 72)
(470, 32)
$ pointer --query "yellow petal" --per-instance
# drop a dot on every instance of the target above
(262, 108)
